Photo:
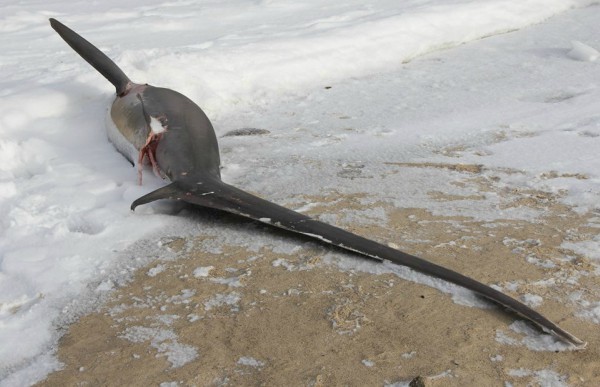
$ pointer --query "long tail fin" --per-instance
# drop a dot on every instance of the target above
(216, 194)
(93, 56)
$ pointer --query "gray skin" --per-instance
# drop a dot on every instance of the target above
(175, 136)
(180, 153)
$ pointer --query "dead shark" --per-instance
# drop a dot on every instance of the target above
(168, 130)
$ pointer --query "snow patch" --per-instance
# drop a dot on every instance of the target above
(153, 272)
(532, 300)
(231, 299)
(531, 338)
(232, 282)
(203, 271)
(583, 52)
(165, 341)
(459, 294)
(250, 362)
(542, 377)
(368, 363)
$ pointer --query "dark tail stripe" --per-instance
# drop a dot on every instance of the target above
(216, 194)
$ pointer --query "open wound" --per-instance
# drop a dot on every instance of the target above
(156, 127)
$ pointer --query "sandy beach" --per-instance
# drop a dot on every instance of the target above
(236, 316)
(463, 132)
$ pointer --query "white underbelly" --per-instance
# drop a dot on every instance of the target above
(119, 141)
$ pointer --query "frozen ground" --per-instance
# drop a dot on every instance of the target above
(341, 88)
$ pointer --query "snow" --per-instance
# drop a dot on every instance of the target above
(156, 270)
(165, 341)
(231, 299)
(341, 87)
(232, 282)
(368, 363)
(250, 362)
(202, 271)
(459, 295)
(533, 300)
(583, 52)
(545, 377)
(530, 338)
(496, 358)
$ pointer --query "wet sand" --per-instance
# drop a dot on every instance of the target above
(236, 316)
